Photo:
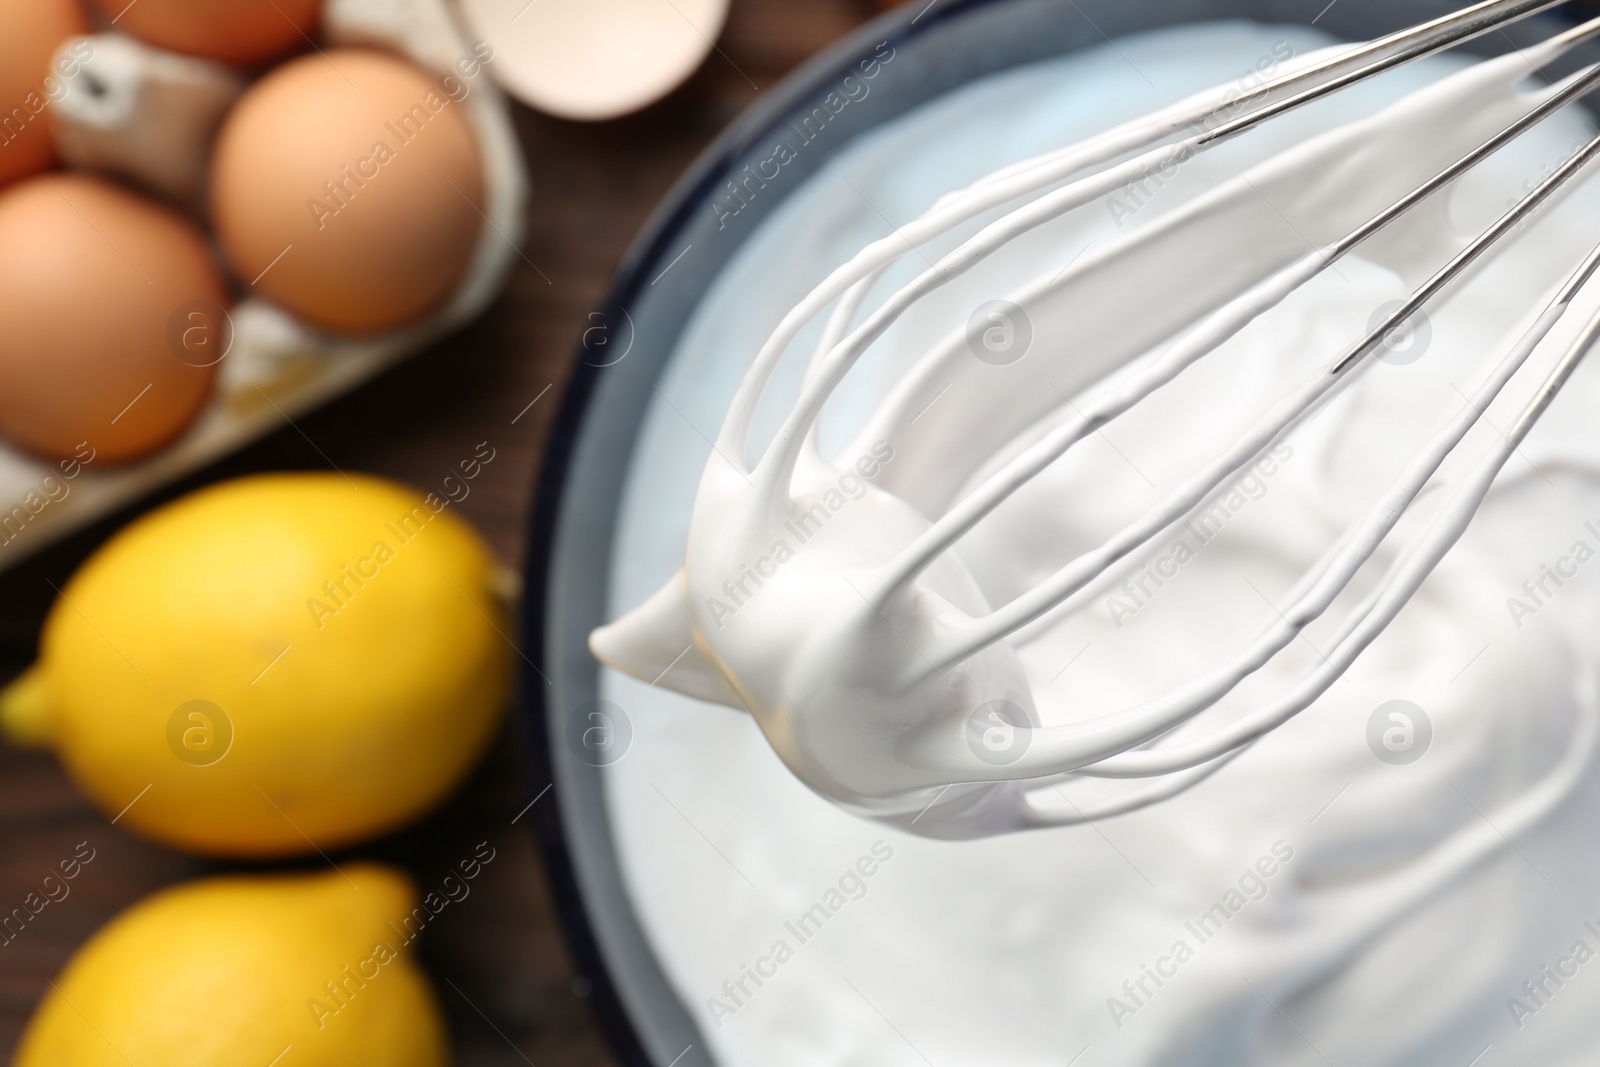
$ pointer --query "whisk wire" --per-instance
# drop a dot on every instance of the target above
(880, 732)
(1031, 176)
(1199, 341)
(1055, 749)
(1279, 420)
(1397, 589)
(1420, 556)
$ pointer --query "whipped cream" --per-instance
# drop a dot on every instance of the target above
(1310, 899)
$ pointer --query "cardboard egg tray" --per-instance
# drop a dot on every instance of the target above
(150, 116)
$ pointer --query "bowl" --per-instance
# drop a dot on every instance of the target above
(938, 46)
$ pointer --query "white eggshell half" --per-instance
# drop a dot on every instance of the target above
(594, 59)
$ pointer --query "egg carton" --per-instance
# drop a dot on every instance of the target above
(150, 116)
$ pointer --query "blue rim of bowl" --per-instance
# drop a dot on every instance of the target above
(657, 249)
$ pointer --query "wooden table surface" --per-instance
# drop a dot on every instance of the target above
(497, 958)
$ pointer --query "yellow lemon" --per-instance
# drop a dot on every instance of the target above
(273, 665)
(308, 970)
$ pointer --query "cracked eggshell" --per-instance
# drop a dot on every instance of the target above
(595, 59)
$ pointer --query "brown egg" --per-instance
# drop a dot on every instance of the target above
(30, 33)
(109, 303)
(243, 32)
(343, 189)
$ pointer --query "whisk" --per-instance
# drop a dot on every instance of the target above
(871, 661)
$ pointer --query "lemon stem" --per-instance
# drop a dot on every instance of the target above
(25, 710)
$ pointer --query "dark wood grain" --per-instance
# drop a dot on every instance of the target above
(497, 956)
